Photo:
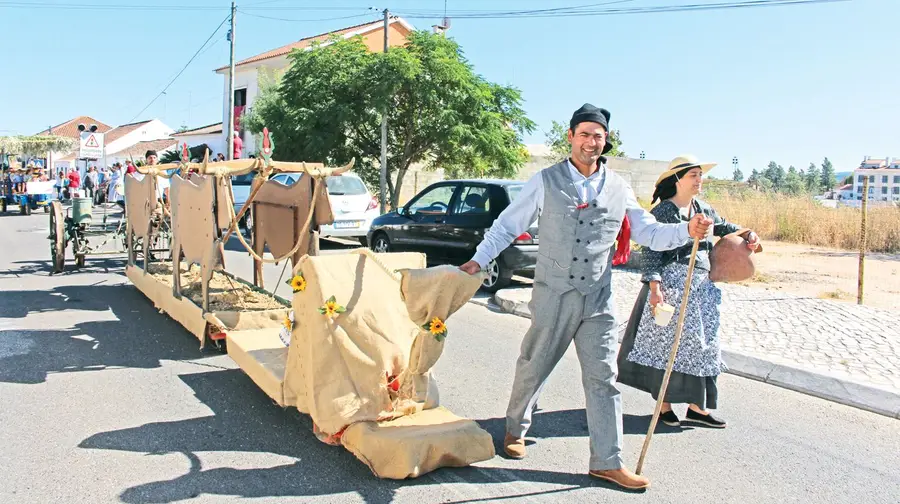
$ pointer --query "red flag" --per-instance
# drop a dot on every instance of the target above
(623, 244)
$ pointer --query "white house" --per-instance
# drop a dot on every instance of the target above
(211, 135)
(884, 179)
(120, 138)
(248, 72)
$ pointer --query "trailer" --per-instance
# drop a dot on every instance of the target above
(353, 347)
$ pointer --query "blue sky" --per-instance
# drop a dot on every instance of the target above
(792, 84)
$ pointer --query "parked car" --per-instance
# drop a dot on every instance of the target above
(353, 206)
(240, 189)
(448, 219)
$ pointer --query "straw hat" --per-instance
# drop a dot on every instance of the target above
(682, 162)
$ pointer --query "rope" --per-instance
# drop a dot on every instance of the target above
(371, 255)
(303, 231)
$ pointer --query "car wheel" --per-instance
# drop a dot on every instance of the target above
(497, 277)
(381, 243)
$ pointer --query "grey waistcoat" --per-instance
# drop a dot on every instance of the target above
(577, 245)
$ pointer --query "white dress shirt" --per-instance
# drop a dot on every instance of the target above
(525, 209)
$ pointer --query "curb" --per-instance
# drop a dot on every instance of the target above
(840, 390)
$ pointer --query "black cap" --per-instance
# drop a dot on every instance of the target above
(590, 113)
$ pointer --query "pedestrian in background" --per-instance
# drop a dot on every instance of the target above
(645, 348)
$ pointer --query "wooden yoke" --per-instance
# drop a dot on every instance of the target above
(203, 210)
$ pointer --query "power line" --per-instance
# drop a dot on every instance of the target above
(306, 20)
(213, 34)
(590, 10)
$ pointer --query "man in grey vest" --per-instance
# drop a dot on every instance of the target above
(581, 205)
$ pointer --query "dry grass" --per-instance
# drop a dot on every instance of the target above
(802, 220)
(225, 294)
(835, 294)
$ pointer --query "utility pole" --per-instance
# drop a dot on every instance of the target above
(383, 186)
(229, 142)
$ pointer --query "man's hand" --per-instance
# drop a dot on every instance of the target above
(752, 240)
(471, 267)
(699, 226)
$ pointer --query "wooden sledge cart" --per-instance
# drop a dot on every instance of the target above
(355, 345)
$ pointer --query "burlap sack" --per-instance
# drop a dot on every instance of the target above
(413, 445)
(337, 367)
(431, 295)
(731, 260)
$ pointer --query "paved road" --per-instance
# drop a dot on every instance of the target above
(105, 400)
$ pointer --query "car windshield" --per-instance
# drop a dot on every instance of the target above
(345, 186)
(245, 179)
(513, 191)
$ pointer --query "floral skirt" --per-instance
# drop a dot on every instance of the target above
(645, 346)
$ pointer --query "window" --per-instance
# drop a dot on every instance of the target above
(896, 190)
(860, 178)
(240, 97)
(341, 186)
(433, 202)
(883, 190)
(884, 179)
(513, 191)
(242, 180)
(897, 179)
(871, 179)
(473, 200)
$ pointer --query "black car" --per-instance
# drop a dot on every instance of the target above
(448, 219)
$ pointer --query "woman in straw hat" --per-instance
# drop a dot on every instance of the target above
(645, 348)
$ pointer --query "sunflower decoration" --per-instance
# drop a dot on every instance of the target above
(298, 283)
(437, 328)
(288, 323)
(331, 308)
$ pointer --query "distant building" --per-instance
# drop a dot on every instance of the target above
(884, 179)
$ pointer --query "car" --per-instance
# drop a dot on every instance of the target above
(240, 189)
(353, 205)
(448, 219)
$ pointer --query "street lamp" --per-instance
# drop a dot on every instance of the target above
(643, 156)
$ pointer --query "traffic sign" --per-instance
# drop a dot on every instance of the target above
(91, 146)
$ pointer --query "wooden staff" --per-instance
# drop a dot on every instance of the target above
(678, 330)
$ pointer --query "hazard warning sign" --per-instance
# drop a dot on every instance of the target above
(91, 145)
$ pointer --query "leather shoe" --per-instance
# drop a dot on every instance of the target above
(514, 447)
(622, 477)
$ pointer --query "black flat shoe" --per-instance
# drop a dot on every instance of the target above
(707, 419)
(670, 418)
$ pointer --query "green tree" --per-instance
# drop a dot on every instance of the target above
(753, 180)
(828, 178)
(793, 183)
(738, 175)
(560, 148)
(328, 107)
(775, 173)
(813, 178)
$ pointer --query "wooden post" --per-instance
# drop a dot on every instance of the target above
(862, 241)
(679, 328)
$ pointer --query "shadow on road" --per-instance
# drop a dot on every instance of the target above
(245, 420)
(569, 423)
(137, 336)
(105, 264)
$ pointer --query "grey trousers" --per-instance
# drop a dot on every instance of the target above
(556, 320)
